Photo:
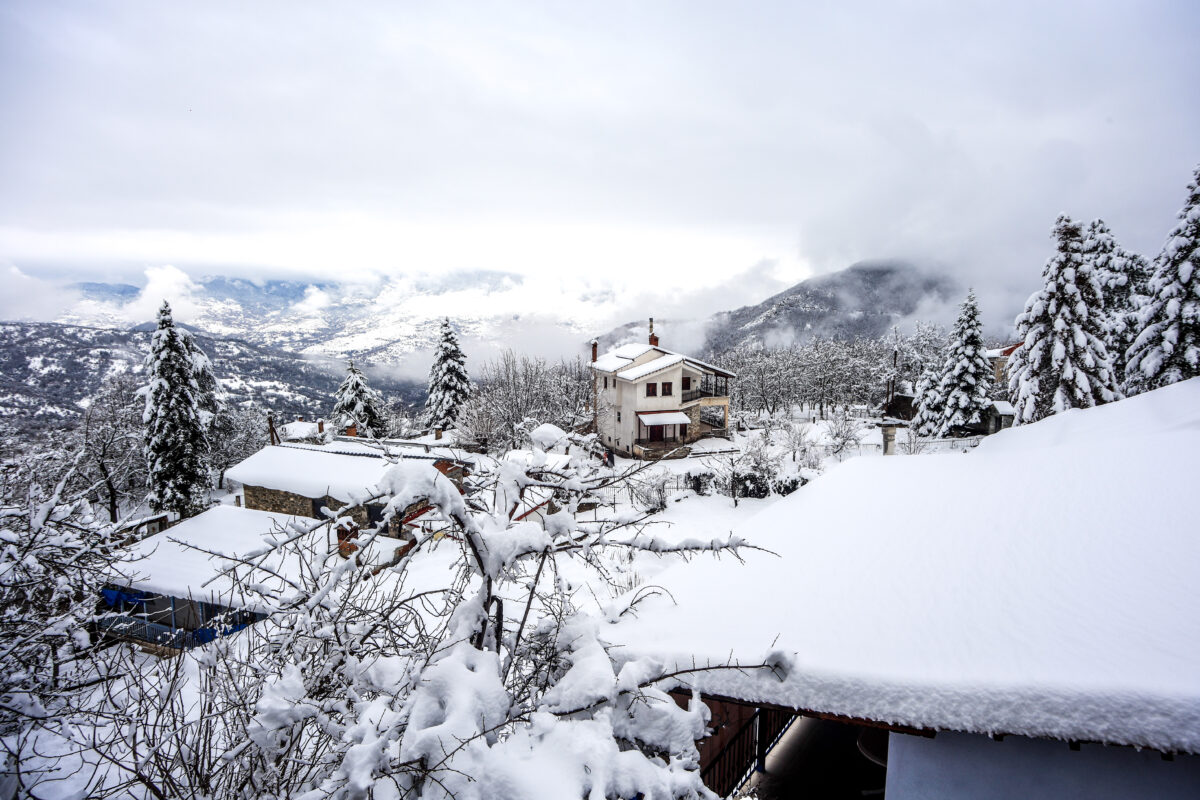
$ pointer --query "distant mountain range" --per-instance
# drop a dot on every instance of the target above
(865, 299)
(381, 322)
(282, 343)
(48, 370)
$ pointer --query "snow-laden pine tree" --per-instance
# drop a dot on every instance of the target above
(1124, 279)
(967, 374)
(930, 405)
(176, 439)
(449, 386)
(208, 391)
(356, 403)
(1167, 348)
(1062, 362)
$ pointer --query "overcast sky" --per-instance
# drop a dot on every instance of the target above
(726, 149)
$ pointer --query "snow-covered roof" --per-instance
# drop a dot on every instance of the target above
(392, 448)
(169, 563)
(664, 418)
(311, 472)
(1002, 352)
(1069, 610)
(1004, 407)
(650, 367)
(299, 430)
(618, 358)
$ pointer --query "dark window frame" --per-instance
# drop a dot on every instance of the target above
(668, 389)
(651, 390)
(687, 383)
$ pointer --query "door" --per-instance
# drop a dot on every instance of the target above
(656, 433)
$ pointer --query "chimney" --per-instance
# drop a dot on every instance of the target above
(653, 338)
(595, 344)
(437, 433)
(320, 426)
(352, 429)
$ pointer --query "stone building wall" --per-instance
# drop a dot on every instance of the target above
(261, 499)
(693, 428)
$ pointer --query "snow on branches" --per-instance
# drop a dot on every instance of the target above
(955, 396)
(449, 386)
(176, 434)
(357, 404)
(1167, 348)
(1062, 362)
(469, 662)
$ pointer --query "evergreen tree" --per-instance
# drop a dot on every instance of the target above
(208, 393)
(176, 442)
(218, 420)
(358, 404)
(1123, 278)
(967, 374)
(1062, 362)
(449, 386)
(931, 406)
(1167, 349)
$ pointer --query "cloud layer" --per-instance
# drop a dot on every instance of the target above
(646, 153)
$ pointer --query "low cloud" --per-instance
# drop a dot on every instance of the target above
(29, 299)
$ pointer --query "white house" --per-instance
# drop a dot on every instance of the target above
(649, 399)
(1042, 646)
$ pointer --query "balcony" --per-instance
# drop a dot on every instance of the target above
(709, 387)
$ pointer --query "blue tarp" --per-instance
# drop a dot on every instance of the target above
(115, 597)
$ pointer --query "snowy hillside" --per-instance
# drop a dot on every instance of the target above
(48, 370)
(395, 317)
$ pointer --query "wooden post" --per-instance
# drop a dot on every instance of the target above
(760, 743)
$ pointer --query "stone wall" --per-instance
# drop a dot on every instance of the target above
(261, 499)
(297, 505)
(693, 428)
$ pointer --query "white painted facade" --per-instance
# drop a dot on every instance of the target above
(629, 383)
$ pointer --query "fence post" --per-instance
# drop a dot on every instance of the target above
(760, 743)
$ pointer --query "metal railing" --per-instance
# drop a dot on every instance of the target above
(747, 749)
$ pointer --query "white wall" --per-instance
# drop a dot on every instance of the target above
(962, 765)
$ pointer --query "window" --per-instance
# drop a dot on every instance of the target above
(651, 390)
(606, 382)
(687, 383)
(666, 388)
(618, 416)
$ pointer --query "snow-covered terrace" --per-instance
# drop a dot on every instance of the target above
(907, 591)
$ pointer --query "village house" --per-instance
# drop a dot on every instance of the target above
(999, 360)
(652, 402)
